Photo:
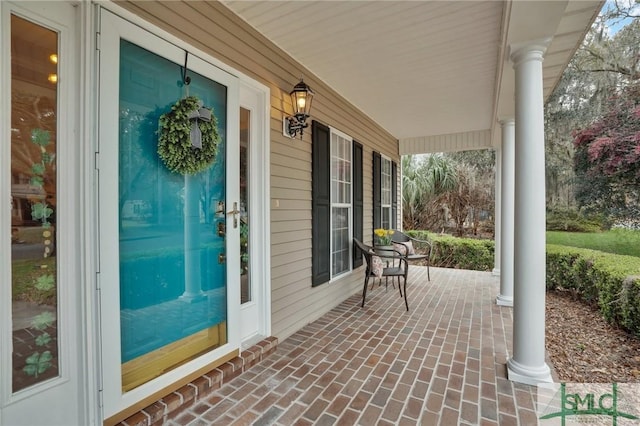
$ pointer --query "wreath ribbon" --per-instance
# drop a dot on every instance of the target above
(195, 135)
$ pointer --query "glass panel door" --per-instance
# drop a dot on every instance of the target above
(34, 76)
(40, 222)
(171, 226)
(169, 242)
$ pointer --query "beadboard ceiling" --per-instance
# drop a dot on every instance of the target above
(422, 69)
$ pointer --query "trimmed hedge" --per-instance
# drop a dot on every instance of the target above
(609, 280)
(459, 253)
(572, 220)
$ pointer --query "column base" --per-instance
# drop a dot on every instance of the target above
(193, 297)
(504, 301)
(496, 272)
(520, 373)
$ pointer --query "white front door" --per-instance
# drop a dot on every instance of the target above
(169, 255)
(41, 362)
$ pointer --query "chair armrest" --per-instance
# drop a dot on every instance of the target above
(417, 240)
(428, 243)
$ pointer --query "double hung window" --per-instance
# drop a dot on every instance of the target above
(341, 197)
(385, 198)
(337, 203)
(385, 193)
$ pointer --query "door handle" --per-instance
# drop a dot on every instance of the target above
(235, 212)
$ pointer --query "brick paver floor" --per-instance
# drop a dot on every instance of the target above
(441, 363)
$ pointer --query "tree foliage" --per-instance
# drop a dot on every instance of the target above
(424, 179)
(607, 158)
(442, 191)
(605, 64)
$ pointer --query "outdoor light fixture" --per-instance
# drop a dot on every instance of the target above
(301, 97)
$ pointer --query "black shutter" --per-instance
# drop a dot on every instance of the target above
(377, 202)
(320, 204)
(394, 195)
(358, 202)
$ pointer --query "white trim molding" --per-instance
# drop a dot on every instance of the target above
(451, 142)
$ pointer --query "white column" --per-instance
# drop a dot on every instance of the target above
(527, 365)
(507, 161)
(497, 222)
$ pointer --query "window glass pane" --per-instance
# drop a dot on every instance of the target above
(385, 182)
(386, 217)
(340, 253)
(34, 137)
(245, 170)
(172, 278)
(334, 144)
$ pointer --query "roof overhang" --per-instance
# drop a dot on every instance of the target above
(434, 74)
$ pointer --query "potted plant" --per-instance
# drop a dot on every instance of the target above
(382, 241)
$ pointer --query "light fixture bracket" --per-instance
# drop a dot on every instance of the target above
(301, 97)
(293, 125)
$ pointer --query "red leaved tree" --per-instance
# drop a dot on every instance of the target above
(607, 157)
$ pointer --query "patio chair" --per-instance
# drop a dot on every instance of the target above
(416, 249)
(375, 267)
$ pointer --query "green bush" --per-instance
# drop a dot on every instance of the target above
(612, 281)
(572, 221)
(459, 253)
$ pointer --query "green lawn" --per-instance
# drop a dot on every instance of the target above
(617, 241)
(25, 275)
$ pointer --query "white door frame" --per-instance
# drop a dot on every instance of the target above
(113, 28)
(256, 314)
(60, 400)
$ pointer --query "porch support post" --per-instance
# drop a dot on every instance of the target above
(497, 209)
(507, 167)
(527, 364)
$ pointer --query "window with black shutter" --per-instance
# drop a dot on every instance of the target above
(385, 192)
(358, 202)
(337, 203)
(320, 204)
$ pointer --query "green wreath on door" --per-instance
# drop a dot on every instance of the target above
(188, 137)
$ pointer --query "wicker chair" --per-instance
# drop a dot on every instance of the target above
(422, 248)
(397, 268)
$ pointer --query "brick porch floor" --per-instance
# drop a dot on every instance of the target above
(441, 363)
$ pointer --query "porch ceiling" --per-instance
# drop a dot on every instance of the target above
(426, 71)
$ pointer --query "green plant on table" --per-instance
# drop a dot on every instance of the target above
(383, 236)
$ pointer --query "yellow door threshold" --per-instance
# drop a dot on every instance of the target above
(173, 402)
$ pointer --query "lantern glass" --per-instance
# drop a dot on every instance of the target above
(301, 97)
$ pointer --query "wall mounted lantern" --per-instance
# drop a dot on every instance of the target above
(301, 97)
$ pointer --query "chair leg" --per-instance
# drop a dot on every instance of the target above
(364, 290)
(428, 273)
(406, 303)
